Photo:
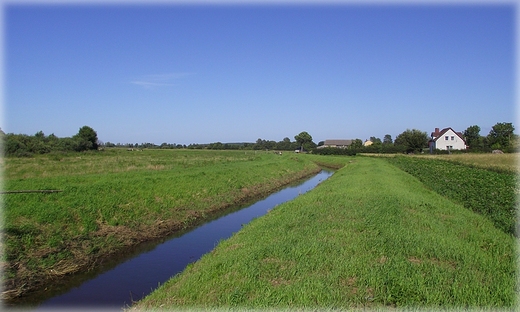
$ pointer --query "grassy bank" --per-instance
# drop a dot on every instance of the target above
(116, 199)
(370, 236)
(485, 190)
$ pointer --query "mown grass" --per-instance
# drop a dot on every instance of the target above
(371, 236)
(489, 192)
(116, 199)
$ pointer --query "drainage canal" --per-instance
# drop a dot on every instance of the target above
(117, 287)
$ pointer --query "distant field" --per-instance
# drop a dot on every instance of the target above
(114, 199)
(499, 162)
(118, 160)
(369, 237)
(504, 162)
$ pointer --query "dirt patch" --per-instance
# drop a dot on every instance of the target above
(280, 265)
(350, 284)
(434, 261)
(448, 264)
(279, 281)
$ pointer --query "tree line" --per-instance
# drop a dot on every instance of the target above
(26, 145)
(500, 137)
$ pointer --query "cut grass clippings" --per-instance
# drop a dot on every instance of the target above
(370, 236)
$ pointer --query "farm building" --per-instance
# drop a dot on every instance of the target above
(447, 139)
(337, 143)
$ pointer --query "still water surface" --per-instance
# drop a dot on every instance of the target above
(138, 276)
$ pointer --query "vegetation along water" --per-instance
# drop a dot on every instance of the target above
(371, 236)
(115, 199)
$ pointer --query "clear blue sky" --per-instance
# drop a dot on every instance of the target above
(235, 73)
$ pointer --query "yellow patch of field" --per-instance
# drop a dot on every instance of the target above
(507, 162)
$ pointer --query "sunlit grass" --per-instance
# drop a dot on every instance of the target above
(503, 162)
(371, 236)
(509, 162)
(118, 160)
(115, 199)
(492, 193)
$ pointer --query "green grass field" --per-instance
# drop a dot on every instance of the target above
(487, 191)
(371, 236)
(114, 199)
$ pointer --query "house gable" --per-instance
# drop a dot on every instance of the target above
(448, 138)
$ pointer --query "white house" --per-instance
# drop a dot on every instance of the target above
(447, 139)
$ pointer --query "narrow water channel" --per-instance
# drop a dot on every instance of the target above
(138, 276)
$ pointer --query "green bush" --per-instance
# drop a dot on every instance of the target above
(22, 145)
(334, 151)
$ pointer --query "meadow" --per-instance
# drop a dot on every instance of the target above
(371, 236)
(115, 199)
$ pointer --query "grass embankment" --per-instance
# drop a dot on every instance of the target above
(370, 236)
(116, 199)
(490, 192)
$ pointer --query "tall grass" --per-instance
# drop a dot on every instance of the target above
(371, 236)
(508, 162)
(118, 160)
(113, 200)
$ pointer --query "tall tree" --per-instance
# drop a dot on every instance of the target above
(86, 138)
(414, 140)
(501, 135)
(472, 137)
(375, 141)
(387, 139)
(304, 140)
(357, 143)
(285, 144)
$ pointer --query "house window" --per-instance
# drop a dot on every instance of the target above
(452, 138)
(446, 138)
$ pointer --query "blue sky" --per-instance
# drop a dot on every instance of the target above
(235, 73)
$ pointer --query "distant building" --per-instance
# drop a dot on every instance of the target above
(337, 143)
(368, 143)
(447, 139)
